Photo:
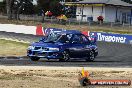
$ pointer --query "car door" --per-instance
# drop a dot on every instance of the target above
(76, 48)
(86, 45)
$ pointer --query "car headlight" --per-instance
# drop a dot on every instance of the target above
(31, 47)
(53, 49)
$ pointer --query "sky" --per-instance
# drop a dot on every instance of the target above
(34, 2)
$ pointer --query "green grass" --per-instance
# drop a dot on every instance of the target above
(12, 48)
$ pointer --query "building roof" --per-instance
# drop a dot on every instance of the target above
(93, 1)
(107, 2)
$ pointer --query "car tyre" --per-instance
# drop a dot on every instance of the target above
(34, 58)
(91, 56)
(65, 56)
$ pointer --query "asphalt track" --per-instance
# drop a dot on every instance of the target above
(110, 55)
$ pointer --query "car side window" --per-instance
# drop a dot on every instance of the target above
(69, 36)
(65, 38)
(84, 39)
(77, 39)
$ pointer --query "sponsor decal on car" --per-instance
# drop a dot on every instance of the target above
(93, 36)
(47, 31)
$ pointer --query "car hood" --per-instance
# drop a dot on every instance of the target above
(45, 44)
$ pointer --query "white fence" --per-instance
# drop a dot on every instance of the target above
(18, 28)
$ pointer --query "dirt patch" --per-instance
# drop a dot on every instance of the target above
(55, 77)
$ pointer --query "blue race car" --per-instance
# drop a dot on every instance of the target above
(63, 45)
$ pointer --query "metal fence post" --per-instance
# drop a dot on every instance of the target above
(111, 25)
(69, 22)
(51, 19)
(123, 24)
(79, 22)
(89, 24)
(100, 23)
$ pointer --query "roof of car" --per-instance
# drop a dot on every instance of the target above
(67, 32)
(61, 31)
(71, 32)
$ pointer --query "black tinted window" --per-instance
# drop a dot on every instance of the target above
(77, 38)
(65, 38)
(84, 39)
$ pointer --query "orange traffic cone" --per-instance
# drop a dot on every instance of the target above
(39, 30)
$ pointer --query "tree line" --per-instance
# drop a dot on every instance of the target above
(128, 1)
(14, 8)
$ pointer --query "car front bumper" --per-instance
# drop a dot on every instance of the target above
(44, 54)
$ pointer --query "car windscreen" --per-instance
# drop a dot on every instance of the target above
(63, 38)
(53, 37)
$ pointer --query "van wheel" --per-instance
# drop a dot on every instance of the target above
(65, 56)
(34, 58)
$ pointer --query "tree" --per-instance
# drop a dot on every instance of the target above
(28, 8)
(51, 5)
(129, 1)
(2, 7)
(14, 7)
(9, 8)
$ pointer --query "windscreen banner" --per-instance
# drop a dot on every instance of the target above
(47, 31)
(109, 37)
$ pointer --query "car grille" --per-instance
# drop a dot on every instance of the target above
(39, 48)
(46, 49)
(39, 54)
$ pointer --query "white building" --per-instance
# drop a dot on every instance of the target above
(1, 0)
(111, 10)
